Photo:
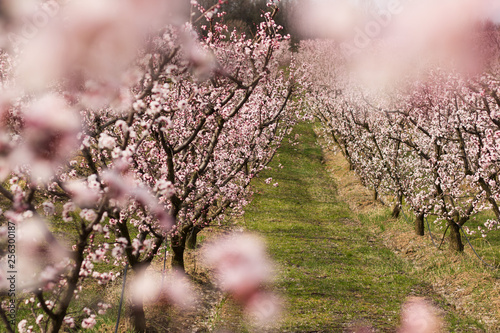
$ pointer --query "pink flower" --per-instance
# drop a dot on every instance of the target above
(41, 257)
(174, 288)
(50, 136)
(21, 327)
(48, 208)
(89, 322)
(106, 141)
(263, 308)
(165, 187)
(88, 214)
(241, 264)
(70, 321)
(419, 316)
(81, 194)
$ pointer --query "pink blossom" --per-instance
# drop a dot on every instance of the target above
(50, 136)
(48, 208)
(240, 263)
(41, 257)
(106, 141)
(81, 194)
(176, 289)
(88, 214)
(419, 316)
(67, 209)
(264, 309)
(165, 187)
(70, 321)
(89, 322)
(21, 326)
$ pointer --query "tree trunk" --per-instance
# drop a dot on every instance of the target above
(455, 238)
(55, 325)
(138, 315)
(396, 210)
(419, 224)
(397, 207)
(375, 195)
(192, 237)
(178, 246)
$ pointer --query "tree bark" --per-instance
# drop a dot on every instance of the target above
(138, 315)
(455, 238)
(192, 238)
(419, 224)
(396, 210)
(178, 247)
(397, 207)
(375, 195)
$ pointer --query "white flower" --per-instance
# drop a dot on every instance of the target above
(139, 105)
(67, 208)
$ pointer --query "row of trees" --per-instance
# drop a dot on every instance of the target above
(132, 134)
(245, 14)
(433, 143)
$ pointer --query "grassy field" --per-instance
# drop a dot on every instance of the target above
(334, 271)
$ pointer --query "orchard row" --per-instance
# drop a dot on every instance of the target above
(134, 135)
(433, 142)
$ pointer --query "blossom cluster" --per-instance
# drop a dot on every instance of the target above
(135, 130)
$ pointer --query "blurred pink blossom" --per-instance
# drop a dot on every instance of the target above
(264, 309)
(81, 194)
(419, 316)
(174, 288)
(39, 255)
(50, 136)
(241, 264)
(89, 322)
(91, 44)
(387, 41)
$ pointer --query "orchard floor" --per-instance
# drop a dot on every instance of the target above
(335, 273)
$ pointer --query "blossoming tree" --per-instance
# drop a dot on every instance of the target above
(129, 132)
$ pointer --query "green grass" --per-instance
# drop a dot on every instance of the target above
(333, 271)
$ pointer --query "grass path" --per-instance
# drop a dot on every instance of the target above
(334, 272)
